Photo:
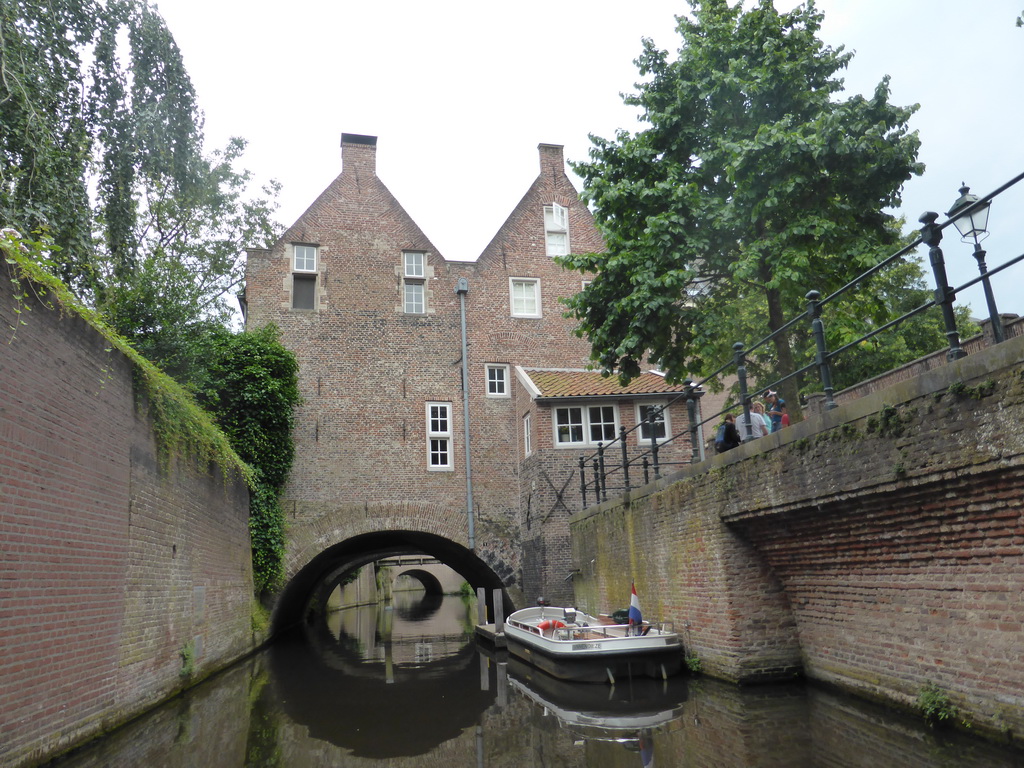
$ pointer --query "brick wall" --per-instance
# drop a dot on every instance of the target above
(109, 565)
(878, 547)
(367, 368)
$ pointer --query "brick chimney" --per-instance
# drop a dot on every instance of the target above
(552, 163)
(359, 154)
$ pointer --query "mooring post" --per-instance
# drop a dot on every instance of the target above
(499, 612)
(481, 605)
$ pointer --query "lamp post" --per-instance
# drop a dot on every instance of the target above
(970, 217)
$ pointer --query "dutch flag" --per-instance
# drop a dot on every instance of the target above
(634, 607)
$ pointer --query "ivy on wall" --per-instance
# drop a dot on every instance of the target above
(249, 382)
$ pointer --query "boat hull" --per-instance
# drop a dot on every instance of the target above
(592, 654)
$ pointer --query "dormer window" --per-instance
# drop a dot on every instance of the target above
(556, 229)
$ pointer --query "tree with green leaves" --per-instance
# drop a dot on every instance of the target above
(69, 107)
(752, 183)
(189, 263)
(102, 152)
(101, 165)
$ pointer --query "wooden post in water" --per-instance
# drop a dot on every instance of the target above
(481, 605)
(499, 612)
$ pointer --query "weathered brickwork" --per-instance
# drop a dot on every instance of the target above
(689, 569)
(110, 565)
(879, 547)
(368, 369)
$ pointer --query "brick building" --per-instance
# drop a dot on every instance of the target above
(374, 314)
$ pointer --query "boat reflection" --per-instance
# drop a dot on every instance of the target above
(629, 713)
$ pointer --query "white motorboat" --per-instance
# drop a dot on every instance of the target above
(572, 645)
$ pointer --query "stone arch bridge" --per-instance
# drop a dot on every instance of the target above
(323, 550)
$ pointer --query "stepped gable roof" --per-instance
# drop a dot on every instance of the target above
(566, 383)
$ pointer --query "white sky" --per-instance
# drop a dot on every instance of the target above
(460, 94)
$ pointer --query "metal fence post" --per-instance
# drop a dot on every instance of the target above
(741, 374)
(654, 443)
(604, 477)
(944, 295)
(691, 413)
(583, 481)
(821, 356)
(625, 458)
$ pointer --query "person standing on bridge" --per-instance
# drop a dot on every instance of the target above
(728, 437)
(759, 407)
(776, 406)
(756, 423)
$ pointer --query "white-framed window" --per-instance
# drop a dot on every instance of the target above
(497, 380)
(525, 296)
(413, 263)
(439, 436)
(556, 229)
(527, 435)
(413, 300)
(414, 282)
(304, 258)
(304, 276)
(662, 428)
(585, 424)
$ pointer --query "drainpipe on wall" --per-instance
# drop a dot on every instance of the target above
(462, 288)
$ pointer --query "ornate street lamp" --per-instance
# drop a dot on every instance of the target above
(970, 217)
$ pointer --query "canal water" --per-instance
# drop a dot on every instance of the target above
(406, 687)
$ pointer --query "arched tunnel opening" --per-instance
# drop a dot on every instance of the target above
(307, 591)
(430, 583)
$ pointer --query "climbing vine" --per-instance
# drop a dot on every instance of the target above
(249, 382)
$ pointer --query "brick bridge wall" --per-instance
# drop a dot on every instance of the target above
(109, 565)
(878, 547)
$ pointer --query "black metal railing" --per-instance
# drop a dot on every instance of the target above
(607, 476)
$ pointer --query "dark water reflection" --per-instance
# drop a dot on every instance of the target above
(407, 687)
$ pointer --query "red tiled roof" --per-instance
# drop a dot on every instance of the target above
(575, 383)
